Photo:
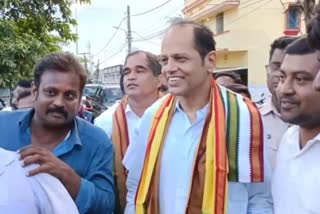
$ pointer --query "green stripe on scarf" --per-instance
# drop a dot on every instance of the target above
(232, 135)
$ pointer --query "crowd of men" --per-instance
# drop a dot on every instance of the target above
(178, 142)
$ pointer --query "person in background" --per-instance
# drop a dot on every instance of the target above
(296, 178)
(74, 151)
(274, 126)
(23, 86)
(140, 82)
(313, 30)
(240, 89)
(224, 78)
(24, 100)
(40, 194)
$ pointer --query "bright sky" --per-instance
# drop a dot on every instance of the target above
(96, 21)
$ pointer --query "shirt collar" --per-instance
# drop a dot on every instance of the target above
(25, 119)
(268, 107)
(202, 113)
(72, 136)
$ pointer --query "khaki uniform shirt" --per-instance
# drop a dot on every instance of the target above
(274, 129)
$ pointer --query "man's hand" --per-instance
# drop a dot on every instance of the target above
(52, 165)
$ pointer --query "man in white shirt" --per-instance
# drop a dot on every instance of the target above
(274, 126)
(39, 194)
(296, 178)
(178, 161)
(141, 84)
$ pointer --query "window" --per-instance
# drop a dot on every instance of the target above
(293, 17)
(219, 23)
(292, 20)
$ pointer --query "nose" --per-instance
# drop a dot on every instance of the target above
(132, 75)
(285, 88)
(59, 101)
(316, 82)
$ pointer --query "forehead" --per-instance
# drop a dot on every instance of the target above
(179, 39)
(277, 56)
(301, 63)
(60, 80)
(138, 59)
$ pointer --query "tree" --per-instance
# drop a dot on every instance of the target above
(29, 29)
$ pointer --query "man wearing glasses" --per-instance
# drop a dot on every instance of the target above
(274, 127)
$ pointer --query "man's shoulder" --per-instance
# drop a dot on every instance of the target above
(9, 117)
(89, 132)
(106, 116)
(155, 106)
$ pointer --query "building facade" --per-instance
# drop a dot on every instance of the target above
(244, 30)
(110, 75)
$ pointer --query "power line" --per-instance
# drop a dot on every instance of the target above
(155, 8)
(156, 34)
(116, 53)
(111, 38)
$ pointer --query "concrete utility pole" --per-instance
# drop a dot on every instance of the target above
(85, 60)
(98, 70)
(129, 37)
(76, 17)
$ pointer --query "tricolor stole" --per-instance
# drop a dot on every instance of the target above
(230, 149)
(120, 140)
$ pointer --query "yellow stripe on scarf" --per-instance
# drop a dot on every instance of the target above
(210, 177)
(150, 162)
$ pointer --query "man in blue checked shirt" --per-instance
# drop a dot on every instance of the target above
(69, 148)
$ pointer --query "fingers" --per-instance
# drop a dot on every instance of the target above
(32, 159)
(32, 150)
(44, 168)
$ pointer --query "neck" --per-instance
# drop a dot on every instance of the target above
(307, 134)
(140, 104)
(195, 101)
(47, 136)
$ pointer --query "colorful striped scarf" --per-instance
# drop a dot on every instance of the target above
(230, 149)
(120, 140)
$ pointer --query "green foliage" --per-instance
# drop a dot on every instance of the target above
(29, 29)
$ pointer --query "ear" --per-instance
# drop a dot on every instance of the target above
(211, 61)
(34, 92)
(160, 79)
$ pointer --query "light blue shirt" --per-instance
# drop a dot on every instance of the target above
(39, 194)
(176, 168)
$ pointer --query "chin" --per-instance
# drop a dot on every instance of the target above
(176, 91)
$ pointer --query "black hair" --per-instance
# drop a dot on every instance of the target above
(300, 47)
(239, 88)
(236, 77)
(313, 29)
(153, 61)
(60, 62)
(281, 43)
(24, 94)
(121, 83)
(202, 36)
(25, 83)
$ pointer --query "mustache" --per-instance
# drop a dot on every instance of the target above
(59, 110)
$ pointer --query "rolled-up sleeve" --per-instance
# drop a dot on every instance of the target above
(96, 193)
